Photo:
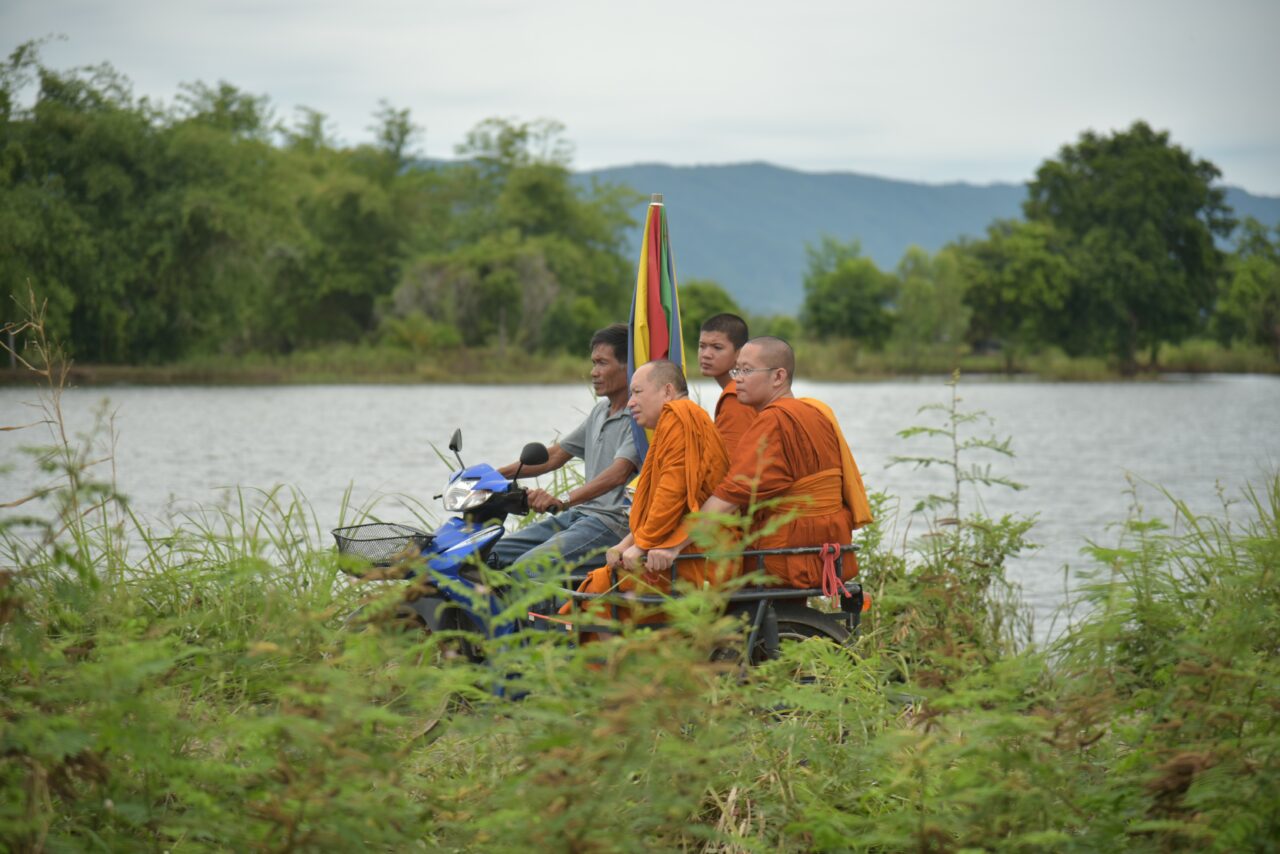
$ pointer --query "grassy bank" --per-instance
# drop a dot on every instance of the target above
(844, 361)
(835, 361)
(192, 686)
(337, 364)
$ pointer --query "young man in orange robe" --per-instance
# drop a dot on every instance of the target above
(795, 457)
(719, 341)
(686, 460)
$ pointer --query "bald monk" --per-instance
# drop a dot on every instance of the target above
(795, 452)
(686, 460)
(719, 341)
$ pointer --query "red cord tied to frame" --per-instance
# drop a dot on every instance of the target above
(831, 583)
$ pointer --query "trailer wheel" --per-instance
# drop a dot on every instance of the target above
(792, 630)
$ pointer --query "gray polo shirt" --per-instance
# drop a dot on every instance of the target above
(599, 440)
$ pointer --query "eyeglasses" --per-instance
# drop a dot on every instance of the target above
(739, 373)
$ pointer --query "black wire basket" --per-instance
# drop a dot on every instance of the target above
(381, 543)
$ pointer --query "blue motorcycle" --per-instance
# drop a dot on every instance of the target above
(449, 593)
(445, 566)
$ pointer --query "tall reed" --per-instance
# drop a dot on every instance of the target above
(196, 686)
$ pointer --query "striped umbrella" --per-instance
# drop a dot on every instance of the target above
(654, 329)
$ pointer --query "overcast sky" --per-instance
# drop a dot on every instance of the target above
(930, 91)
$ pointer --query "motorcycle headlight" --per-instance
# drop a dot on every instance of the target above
(462, 495)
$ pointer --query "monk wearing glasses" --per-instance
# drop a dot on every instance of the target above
(793, 459)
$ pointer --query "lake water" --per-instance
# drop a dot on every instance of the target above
(182, 447)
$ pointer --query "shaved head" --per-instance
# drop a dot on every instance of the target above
(776, 353)
(660, 372)
(653, 386)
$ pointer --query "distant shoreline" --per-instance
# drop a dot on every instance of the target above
(560, 371)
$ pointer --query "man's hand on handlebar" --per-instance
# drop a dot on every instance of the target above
(545, 502)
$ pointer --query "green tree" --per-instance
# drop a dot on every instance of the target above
(310, 132)
(209, 228)
(43, 241)
(395, 133)
(931, 313)
(77, 164)
(1140, 216)
(1019, 283)
(778, 325)
(496, 291)
(222, 226)
(366, 215)
(699, 300)
(492, 151)
(1249, 306)
(846, 294)
(514, 198)
(229, 109)
(151, 232)
(355, 256)
(503, 144)
(571, 321)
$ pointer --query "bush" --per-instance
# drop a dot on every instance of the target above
(196, 688)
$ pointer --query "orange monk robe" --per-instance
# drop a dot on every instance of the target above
(733, 417)
(795, 454)
(686, 460)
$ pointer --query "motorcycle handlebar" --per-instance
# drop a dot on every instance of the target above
(525, 506)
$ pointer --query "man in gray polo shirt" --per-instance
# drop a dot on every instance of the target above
(592, 516)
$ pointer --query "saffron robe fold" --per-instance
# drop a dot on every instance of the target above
(686, 460)
(794, 460)
(733, 417)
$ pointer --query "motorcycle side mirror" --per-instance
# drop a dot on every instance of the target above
(533, 454)
(455, 445)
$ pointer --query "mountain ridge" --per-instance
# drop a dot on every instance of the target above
(745, 225)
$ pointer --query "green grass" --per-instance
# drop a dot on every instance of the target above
(203, 694)
(195, 687)
(834, 361)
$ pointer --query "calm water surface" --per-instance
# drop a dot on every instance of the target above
(179, 448)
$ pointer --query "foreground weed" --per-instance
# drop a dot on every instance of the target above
(952, 608)
(198, 687)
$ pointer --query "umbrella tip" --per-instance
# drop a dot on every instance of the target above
(655, 199)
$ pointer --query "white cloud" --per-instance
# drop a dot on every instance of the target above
(976, 91)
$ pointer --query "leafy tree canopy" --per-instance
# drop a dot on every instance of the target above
(699, 300)
(1138, 215)
(847, 295)
(1019, 282)
(931, 313)
(158, 234)
(1249, 306)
